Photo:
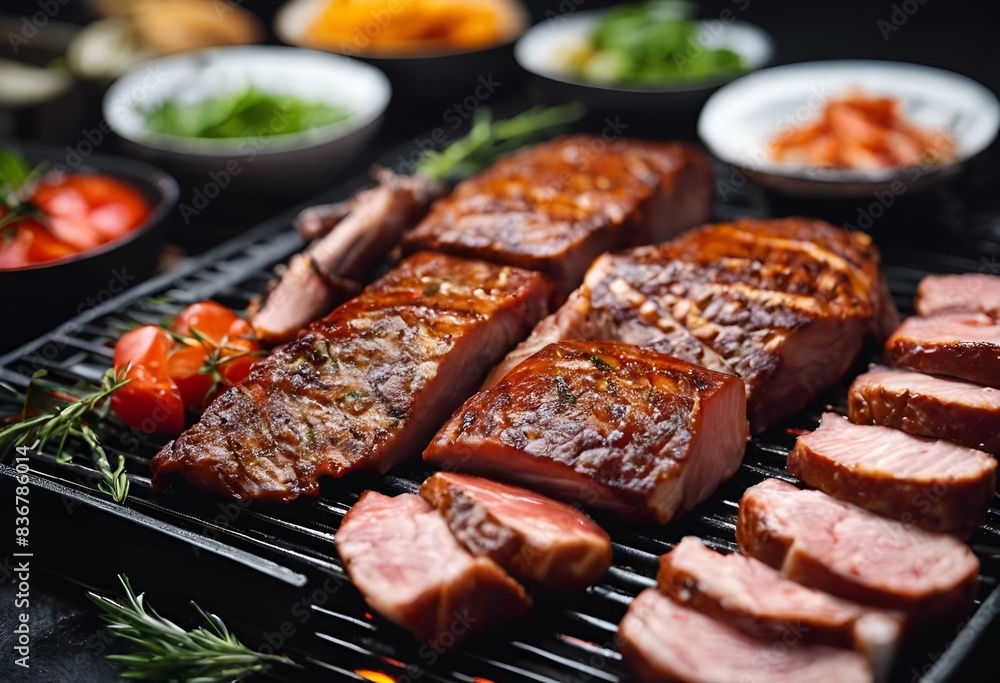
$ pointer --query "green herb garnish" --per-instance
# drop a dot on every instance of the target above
(167, 652)
(247, 114)
(55, 415)
(601, 364)
(565, 395)
(653, 43)
(488, 140)
(18, 181)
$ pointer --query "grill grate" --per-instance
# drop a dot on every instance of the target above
(566, 638)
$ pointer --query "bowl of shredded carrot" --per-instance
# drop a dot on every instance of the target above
(848, 128)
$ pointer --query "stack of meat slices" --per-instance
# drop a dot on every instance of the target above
(448, 573)
(945, 380)
(759, 625)
(919, 448)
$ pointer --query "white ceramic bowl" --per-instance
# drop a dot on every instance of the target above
(539, 51)
(740, 119)
(286, 164)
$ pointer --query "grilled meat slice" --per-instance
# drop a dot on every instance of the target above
(411, 570)
(820, 260)
(661, 640)
(933, 484)
(604, 424)
(535, 538)
(824, 543)
(365, 388)
(968, 293)
(557, 206)
(607, 306)
(758, 600)
(926, 405)
(964, 346)
(316, 221)
(329, 271)
(784, 304)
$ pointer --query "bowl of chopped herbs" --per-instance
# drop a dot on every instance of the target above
(652, 54)
(258, 119)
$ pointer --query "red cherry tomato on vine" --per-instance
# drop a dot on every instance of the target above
(151, 401)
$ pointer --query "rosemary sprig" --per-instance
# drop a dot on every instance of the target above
(167, 652)
(488, 140)
(67, 419)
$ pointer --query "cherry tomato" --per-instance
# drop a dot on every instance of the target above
(216, 323)
(151, 402)
(185, 364)
(211, 349)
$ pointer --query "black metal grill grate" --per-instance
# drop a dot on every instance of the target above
(565, 638)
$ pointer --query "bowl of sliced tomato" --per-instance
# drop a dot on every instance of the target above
(73, 237)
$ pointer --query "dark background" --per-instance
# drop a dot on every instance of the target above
(959, 36)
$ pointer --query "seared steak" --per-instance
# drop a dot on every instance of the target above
(661, 640)
(936, 485)
(824, 543)
(968, 293)
(604, 424)
(758, 600)
(784, 304)
(365, 388)
(411, 570)
(557, 206)
(535, 538)
(966, 413)
(961, 345)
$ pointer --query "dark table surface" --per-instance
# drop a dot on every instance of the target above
(69, 643)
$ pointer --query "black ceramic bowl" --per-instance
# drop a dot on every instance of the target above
(37, 298)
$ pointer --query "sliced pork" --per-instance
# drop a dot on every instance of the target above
(936, 485)
(365, 388)
(961, 345)
(661, 640)
(535, 538)
(927, 405)
(557, 206)
(403, 558)
(604, 424)
(830, 545)
(968, 293)
(758, 600)
(785, 304)
(351, 239)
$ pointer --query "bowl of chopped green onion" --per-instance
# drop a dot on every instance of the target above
(649, 55)
(258, 119)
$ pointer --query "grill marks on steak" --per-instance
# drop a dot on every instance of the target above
(758, 600)
(403, 558)
(784, 304)
(365, 388)
(605, 424)
(830, 545)
(925, 405)
(661, 640)
(557, 206)
(961, 345)
(933, 484)
(535, 538)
